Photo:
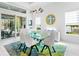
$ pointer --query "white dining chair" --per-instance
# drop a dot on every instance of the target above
(49, 42)
(26, 38)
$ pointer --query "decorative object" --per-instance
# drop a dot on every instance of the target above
(30, 22)
(50, 19)
(39, 10)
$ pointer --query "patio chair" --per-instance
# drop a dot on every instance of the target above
(9, 34)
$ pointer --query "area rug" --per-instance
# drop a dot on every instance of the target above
(13, 51)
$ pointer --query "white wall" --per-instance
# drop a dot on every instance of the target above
(59, 14)
(59, 9)
(74, 6)
(70, 6)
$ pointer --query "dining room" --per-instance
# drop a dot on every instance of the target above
(37, 29)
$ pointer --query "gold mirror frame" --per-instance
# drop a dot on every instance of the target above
(50, 19)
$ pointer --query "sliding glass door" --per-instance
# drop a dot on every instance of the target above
(19, 22)
(7, 26)
(11, 25)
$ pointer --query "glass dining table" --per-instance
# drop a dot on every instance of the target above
(39, 36)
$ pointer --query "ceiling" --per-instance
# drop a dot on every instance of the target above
(70, 6)
(11, 7)
(29, 5)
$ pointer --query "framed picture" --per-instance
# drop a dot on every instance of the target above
(50, 19)
(30, 22)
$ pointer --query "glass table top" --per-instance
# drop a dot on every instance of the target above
(38, 35)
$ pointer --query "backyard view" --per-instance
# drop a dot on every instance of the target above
(72, 22)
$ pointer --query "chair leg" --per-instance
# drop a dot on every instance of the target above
(49, 50)
(43, 48)
(30, 50)
(25, 48)
(20, 45)
(54, 49)
(36, 48)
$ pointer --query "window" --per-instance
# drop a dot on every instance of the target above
(38, 23)
(29, 22)
(33, 24)
(72, 22)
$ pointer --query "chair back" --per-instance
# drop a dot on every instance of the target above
(10, 32)
(25, 38)
(50, 39)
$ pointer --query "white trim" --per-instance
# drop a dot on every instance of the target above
(0, 26)
(10, 12)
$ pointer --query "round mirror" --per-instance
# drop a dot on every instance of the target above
(50, 19)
